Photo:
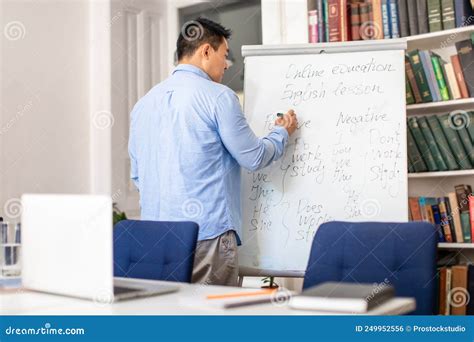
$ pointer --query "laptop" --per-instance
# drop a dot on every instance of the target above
(67, 249)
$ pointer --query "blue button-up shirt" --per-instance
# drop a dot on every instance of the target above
(188, 139)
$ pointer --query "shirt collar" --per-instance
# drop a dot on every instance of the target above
(193, 69)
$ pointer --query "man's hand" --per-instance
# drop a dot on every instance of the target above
(289, 121)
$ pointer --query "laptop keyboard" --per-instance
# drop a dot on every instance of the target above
(118, 290)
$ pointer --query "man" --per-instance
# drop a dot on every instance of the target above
(188, 139)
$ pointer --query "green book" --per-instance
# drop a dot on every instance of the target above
(325, 18)
(408, 92)
(411, 169)
(415, 156)
(470, 127)
(420, 76)
(434, 15)
(425, 129)
(454, 142)
(447, 13)
(438, 71)
(442, 142)
(466, 226)
(422, 144)
(467, 143)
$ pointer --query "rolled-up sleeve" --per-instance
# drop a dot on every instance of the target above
(250, 151)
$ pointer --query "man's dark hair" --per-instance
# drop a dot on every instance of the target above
(200, 31)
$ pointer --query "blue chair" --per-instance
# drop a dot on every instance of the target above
(155, 250)
(402, 254)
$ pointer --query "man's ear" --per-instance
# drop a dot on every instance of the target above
(206, 50)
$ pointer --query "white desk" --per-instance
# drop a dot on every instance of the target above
(189, 300)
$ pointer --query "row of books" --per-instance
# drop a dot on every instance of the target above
(456, 290)
(441, 142)
(344, 20)
(429, 78)
(452, 215)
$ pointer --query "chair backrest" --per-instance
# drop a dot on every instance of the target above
(399, 254)
(155, 250)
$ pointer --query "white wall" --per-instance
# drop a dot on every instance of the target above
(45, 127)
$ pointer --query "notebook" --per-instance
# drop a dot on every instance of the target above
(343, 297)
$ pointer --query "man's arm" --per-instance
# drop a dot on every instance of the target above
(251, 152)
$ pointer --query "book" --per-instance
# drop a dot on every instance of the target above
(466, 226)
(463, 134)
(452, 228)
(403, 18)
(449, 274)
(378, 31)
(470, 127)
(471, 215)
(455, 217)
(463, 191)
(447, 14)
(334, 21)
(313, 26)
(412, 17)
(442, 142)
(434, 15)
(444, 220)
(433, 147)
(420, 77)
(438, 71)
(386, 19)
(466, 57)
(320, 9)
(454, 142)
(366, 29)
(422, 144)
(344, 21)
(411, 169)
(411, 79)
(355, 21)
(422, 12)
(458, 292)
(430, 75)
(343, 297)
(326, 20)
(470, 289)
(459, 76)
(418, 163)
(408, 92)
(452, 82)
(393, 15)
(415, 211)
(437, 221)
(442, 293)
(425, 215)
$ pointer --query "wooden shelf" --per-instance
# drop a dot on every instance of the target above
(448, 245)
(440, 39)
(438, 174)
(441, 106)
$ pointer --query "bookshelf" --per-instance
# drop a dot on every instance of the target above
(454, 246)
(440, 107)
(435, 184)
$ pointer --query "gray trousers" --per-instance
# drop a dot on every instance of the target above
(216, 261)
